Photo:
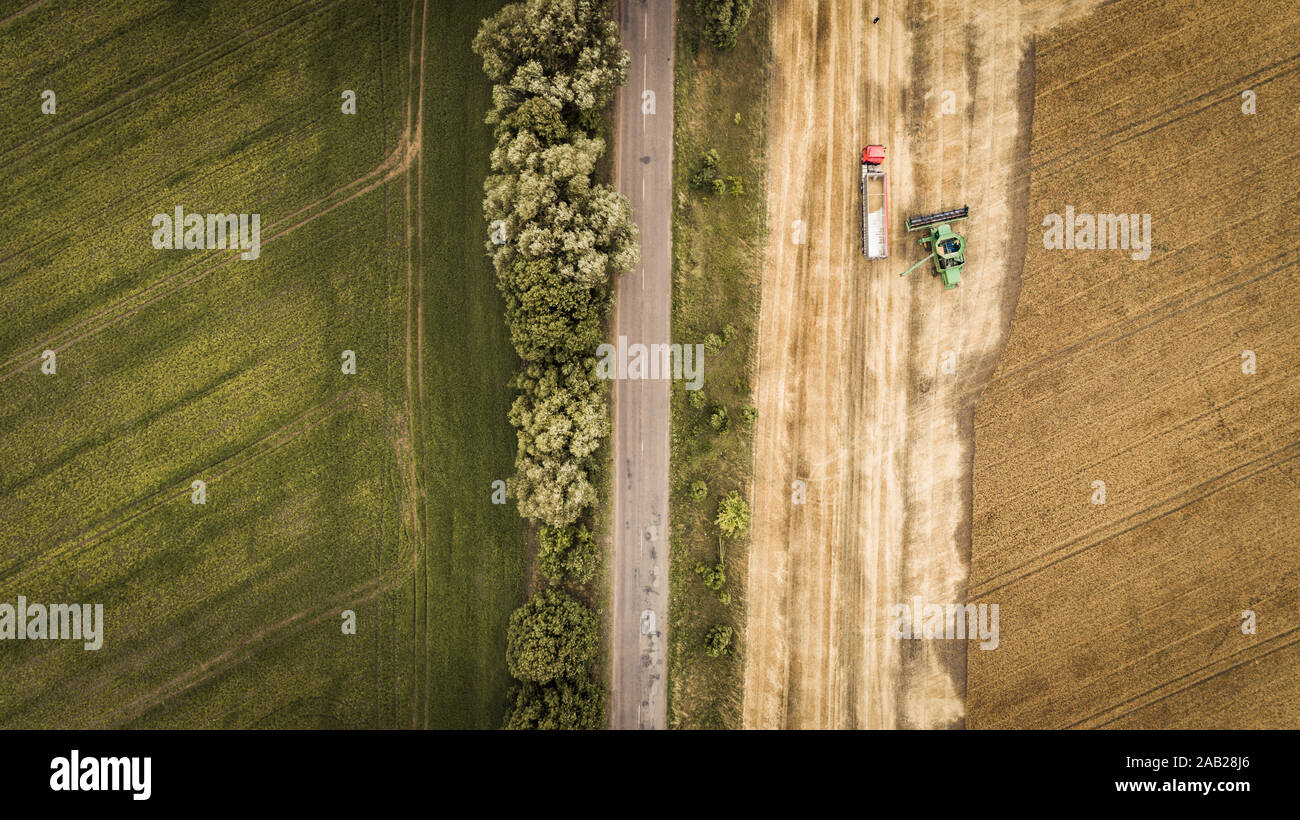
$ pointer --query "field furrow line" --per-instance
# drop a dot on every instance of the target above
(1146, 46)
(137, 301)
(1250, 654)
(423, 500)
(265, 639)
(24, 10)
(268, 443)
(1239, 473)
(1103, 144)
(1119, 331)
(71, 126)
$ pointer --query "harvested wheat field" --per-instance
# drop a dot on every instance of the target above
(866, 382)
(1172, 379)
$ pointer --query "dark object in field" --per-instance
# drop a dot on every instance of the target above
(877, 20)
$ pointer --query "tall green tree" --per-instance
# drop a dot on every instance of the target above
(561, 704)
(552, 636)
(567, 51)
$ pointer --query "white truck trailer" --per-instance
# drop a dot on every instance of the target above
(875, 203)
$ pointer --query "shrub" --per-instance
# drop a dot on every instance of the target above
(718, 419)
(569, 552)
(723, 20)
(714, 575)
(717, 642)
(733, 515)
(566, 51)
(560, 420)
(706, 173)
(554, 65)
(699, 490)
(540, 116)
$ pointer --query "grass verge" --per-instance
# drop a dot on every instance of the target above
(720, 102)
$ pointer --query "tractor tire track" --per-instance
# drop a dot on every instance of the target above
(393, 166)
(22, 11)
(423, 500)
(66, 129)
(259, 642)
(276, 439)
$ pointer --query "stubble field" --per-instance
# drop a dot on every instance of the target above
(866, 382)
(1133, 373)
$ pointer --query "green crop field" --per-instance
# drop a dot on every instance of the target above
(325, 491)
(476, 563)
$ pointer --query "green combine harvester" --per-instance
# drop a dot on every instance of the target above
(947, 247)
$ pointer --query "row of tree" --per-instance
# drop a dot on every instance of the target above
(557, 236)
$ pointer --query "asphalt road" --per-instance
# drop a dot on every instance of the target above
(643, 166)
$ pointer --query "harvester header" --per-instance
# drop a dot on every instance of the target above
(914, 222)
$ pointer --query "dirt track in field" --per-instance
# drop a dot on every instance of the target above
(866, 382)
